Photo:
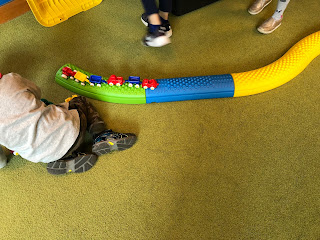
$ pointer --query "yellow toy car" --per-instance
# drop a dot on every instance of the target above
(81, 77)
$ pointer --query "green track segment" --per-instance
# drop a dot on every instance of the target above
(114, 94)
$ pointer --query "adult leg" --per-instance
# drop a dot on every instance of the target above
(150, 7)
(282, 5)
(155, 37)
(275, 20)
(165, 7)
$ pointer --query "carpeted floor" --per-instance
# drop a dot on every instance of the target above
(233, 168)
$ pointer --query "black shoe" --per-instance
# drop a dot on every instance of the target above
(144, 19)
(78, 163)
(109, 141)
(165, 27)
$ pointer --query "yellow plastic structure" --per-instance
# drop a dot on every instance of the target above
(279, 72)
(51, 12)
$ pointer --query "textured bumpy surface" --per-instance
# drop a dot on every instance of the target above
(111, 145)
(191, 88)
(114, 94)
(203, 87)
(279, 72)
(51, 12)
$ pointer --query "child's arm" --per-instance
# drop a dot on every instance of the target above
(3, 158)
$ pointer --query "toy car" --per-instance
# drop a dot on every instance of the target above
(149, 83)
(114, 80)
(68, 72)
(94, 79)
(81, 77)
(0, 75)
(133, 81)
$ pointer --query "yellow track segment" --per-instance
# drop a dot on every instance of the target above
(279, 72)
(51, 12)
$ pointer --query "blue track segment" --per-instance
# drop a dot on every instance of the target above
(191, 88)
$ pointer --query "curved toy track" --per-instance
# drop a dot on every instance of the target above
(204, 87)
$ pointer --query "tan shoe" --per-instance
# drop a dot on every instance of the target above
(269, 25)
(258, 6)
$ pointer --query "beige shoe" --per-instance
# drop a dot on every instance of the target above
(269, 25)
(258, 6)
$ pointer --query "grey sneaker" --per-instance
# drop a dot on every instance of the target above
(78, 163)
(109, 141)
(269, 25)
(258, 6)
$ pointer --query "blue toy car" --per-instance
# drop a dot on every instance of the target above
(94, 79)
(133, 81)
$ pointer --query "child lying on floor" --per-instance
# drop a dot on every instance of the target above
(52, 134)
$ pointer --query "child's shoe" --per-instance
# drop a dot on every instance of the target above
(165, 26)
(155, 37)
(78, 163)
(109, 141)
(269, 25)
(258, 6)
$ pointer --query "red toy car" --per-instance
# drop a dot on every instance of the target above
(114, 80)
(149, 83)
(0, 75)
(68, 72)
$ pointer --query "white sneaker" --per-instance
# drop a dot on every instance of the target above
(156, 39)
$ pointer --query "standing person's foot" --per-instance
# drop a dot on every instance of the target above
(165, 26)
(78, 163)
(269, 25)
(258, 6)
(109, 141)
(155, 37)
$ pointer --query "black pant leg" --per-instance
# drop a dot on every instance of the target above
(150, 7)
(165, 5)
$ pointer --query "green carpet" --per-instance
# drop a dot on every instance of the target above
(232, 168)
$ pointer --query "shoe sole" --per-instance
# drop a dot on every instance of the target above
(78, 165)
(158, 42)
(105, 147)
(268, 32)
(255, 13)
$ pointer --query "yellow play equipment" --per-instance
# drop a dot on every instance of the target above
(51, 12)
(279, 72)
